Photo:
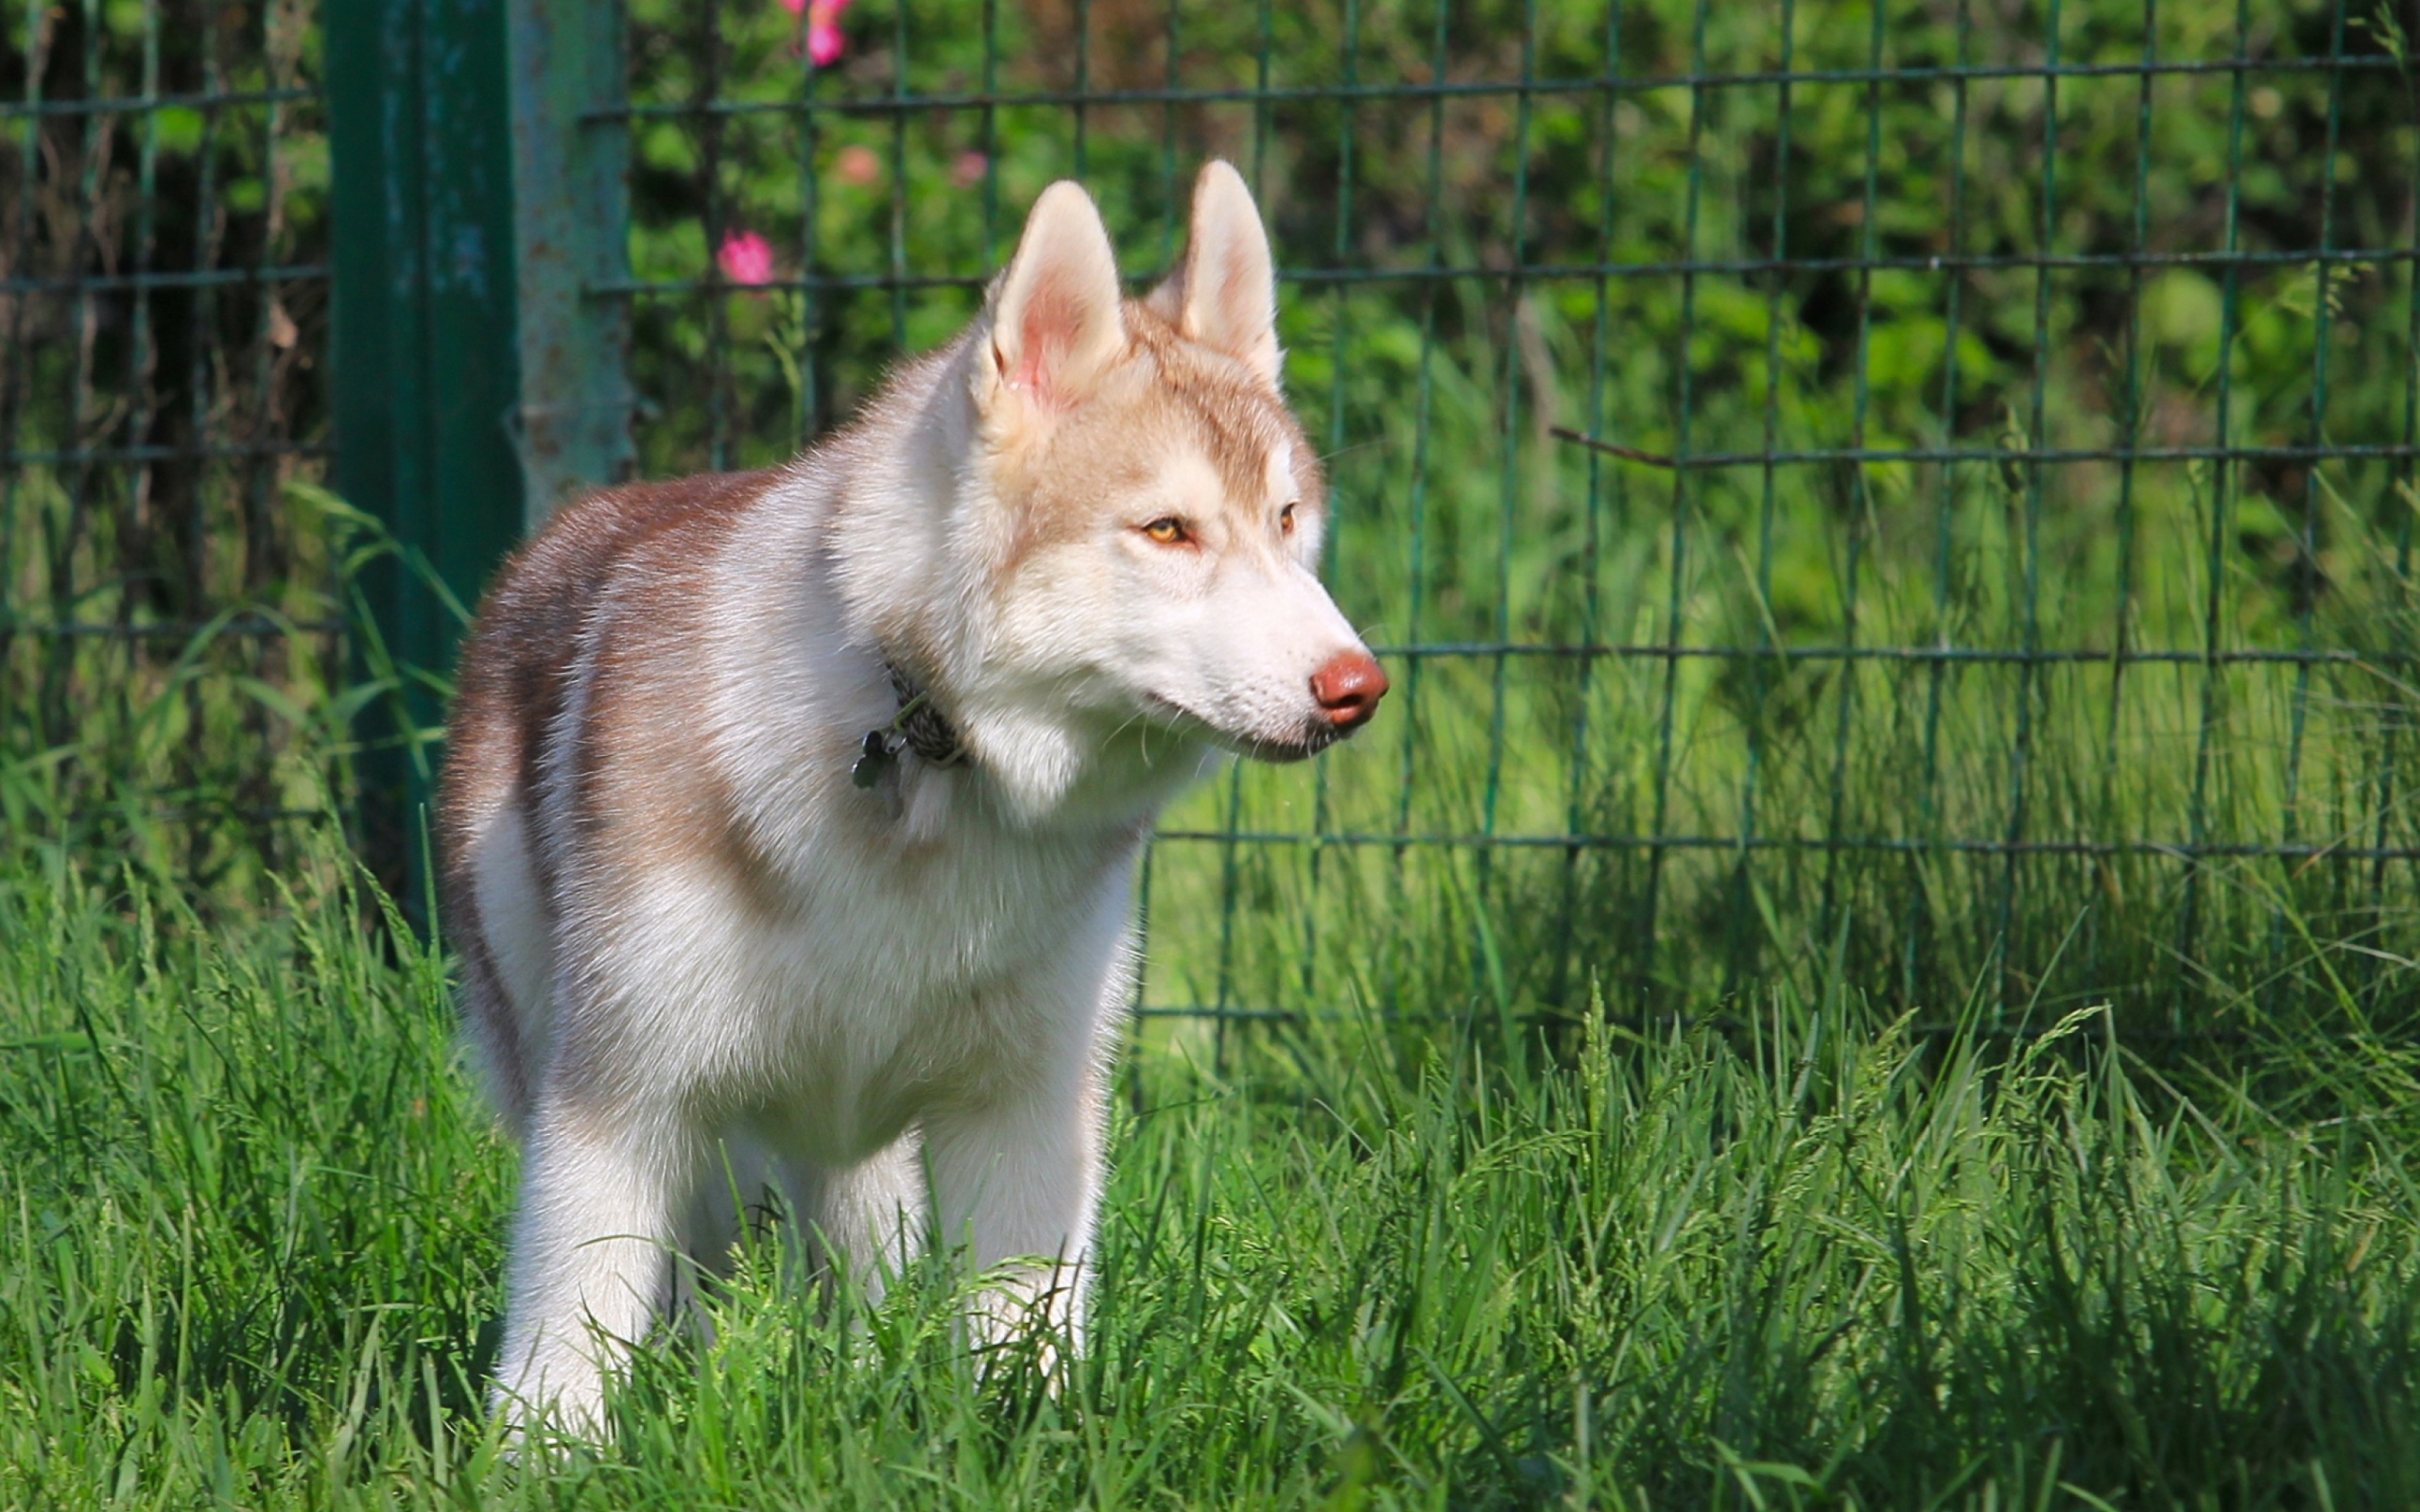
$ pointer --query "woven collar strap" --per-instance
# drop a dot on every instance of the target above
(919, 726)
(926, 730)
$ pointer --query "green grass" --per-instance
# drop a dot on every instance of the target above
(252, 1210)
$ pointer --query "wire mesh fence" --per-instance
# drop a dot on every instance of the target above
(162, 297)
(1917, 494)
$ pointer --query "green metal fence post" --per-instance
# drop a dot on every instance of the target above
(570, 169)
(425, 364)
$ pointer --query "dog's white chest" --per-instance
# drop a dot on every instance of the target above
(890, 979)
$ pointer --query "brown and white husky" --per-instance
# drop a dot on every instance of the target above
(791, 819)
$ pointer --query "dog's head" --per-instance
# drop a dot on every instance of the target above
(1155, 511)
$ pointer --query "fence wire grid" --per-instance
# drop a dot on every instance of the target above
(163, 317)
(1990, 575)
(1916, 495)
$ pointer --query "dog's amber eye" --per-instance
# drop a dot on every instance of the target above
(1167, 532)
(1286, 518)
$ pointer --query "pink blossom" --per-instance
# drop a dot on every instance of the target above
(968, 170)
(745, 258)
(857, 164)
(823, 40)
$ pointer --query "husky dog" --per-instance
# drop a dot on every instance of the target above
(791, 817)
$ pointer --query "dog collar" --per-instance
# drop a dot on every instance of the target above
(919, 726)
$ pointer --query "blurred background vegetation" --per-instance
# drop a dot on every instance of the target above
(1999, 336)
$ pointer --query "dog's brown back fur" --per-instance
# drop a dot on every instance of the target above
(510, 692)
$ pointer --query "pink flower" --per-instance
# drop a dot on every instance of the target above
(857, 165)
(745, 258)
(968, 170)
(823, 40)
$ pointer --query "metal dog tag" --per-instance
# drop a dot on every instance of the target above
(874, 760)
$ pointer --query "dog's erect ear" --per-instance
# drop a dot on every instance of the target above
(1055, 322)
(1225, 296)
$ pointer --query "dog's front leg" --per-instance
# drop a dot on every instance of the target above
(1015, 1181)
(591, 1256)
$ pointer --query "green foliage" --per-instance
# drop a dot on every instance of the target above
(201, 764)
(168, 609)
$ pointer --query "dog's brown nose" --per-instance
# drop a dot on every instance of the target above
(1349, 688)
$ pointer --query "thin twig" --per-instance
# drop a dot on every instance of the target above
(1630, 454)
